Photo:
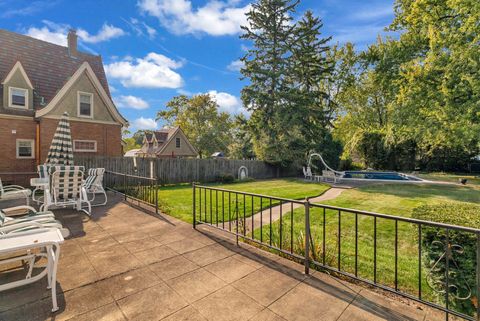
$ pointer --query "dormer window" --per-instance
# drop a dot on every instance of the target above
(177, 142)
(17, 97)
(85, 104)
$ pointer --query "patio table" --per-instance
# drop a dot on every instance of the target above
(48, 240)
(39, 184)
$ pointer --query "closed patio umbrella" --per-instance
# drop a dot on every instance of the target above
(61, 152)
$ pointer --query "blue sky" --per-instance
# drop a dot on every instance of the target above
(156, 49)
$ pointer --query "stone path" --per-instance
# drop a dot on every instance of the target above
(262, 218)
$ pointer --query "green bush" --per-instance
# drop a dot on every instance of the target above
(225, 178)
(462, 263)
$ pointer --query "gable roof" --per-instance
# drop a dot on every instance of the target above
(47, 65)
(84, 68)
(18, 66)
(163, 137)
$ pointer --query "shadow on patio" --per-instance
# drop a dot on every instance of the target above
(125, 264)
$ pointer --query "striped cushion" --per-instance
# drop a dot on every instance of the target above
(67, 181)
(2, 218)
(95, 176)
(43, 170)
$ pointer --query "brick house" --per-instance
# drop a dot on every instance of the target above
(167, 142)
(39, 81)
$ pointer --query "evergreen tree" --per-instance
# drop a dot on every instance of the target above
(269, 96)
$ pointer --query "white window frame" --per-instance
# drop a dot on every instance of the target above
(84, 150)
(10, 102)
(32, 141)
(78, 104)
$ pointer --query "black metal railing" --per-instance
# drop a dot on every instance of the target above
(432, 263)
(138, 188)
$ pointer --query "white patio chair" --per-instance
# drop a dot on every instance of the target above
(94, 185)
(41, 182)
(13, 192)
(66, 189)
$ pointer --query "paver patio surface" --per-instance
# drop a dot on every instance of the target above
(125, 264)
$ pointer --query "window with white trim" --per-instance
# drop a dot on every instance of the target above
(85, 104)
(25, 148)
(85, 146)
(177, 142)
(17, 97)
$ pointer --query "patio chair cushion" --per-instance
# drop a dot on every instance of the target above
(43, 170)
(67, 181)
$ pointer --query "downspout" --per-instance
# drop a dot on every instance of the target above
(37, 143)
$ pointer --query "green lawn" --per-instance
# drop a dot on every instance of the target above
(395, 199)
(177, 200)
(449, 177)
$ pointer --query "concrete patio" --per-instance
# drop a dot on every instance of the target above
(125, 264)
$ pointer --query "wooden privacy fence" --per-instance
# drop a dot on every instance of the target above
(182, 170)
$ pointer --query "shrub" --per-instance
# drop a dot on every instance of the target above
(225, 178)
(462, 263)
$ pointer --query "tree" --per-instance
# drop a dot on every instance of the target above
(268, 96)
(241, 146)
(207, 129)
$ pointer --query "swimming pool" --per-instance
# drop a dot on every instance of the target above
(379, 176)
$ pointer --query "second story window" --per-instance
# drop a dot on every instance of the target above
(85, 105)
(17, 97)
(177, 142)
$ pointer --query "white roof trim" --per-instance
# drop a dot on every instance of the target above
(18, 65)
(85, 67)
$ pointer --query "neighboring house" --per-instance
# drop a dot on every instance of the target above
(167, 142)
(39, 81)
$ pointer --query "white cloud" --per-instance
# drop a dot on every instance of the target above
(105, 33)
(58, 37)
(141, 28)
(131, 102)
(214, 18)
(228, 102)
(235, 65)
(152, 71)
(145, 123)
(57, 33)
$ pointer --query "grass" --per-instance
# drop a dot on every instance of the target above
(395, 199)
(449, 177)
(176, 200)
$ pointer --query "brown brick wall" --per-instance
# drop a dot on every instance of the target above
(25, 129)
(108, 139)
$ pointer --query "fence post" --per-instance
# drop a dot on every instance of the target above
(307, 236)
(194, 206)
(156, 196)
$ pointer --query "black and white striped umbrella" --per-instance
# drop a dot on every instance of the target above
(61, 152)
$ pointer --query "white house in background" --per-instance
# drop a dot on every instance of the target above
(132, 153)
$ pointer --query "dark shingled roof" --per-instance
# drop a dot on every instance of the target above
(48, 66)
(162, 136)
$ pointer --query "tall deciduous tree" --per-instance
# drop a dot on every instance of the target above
(207, 129)
(241, 146)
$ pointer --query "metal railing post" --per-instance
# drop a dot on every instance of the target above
(307, 236)
(478, 275)
(194, 206)
(125, 186)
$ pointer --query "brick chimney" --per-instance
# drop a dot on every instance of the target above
(72, 42)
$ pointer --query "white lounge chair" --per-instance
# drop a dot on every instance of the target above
(13, 192)
(48, 241)
(94, 185)
(32, 221)
(66, 189)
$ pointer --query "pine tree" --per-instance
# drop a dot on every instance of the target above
(266, 66)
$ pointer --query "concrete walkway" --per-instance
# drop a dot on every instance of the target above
(124, 264)
(262, 218)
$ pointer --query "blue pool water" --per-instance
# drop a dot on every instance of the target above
(379, 175)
